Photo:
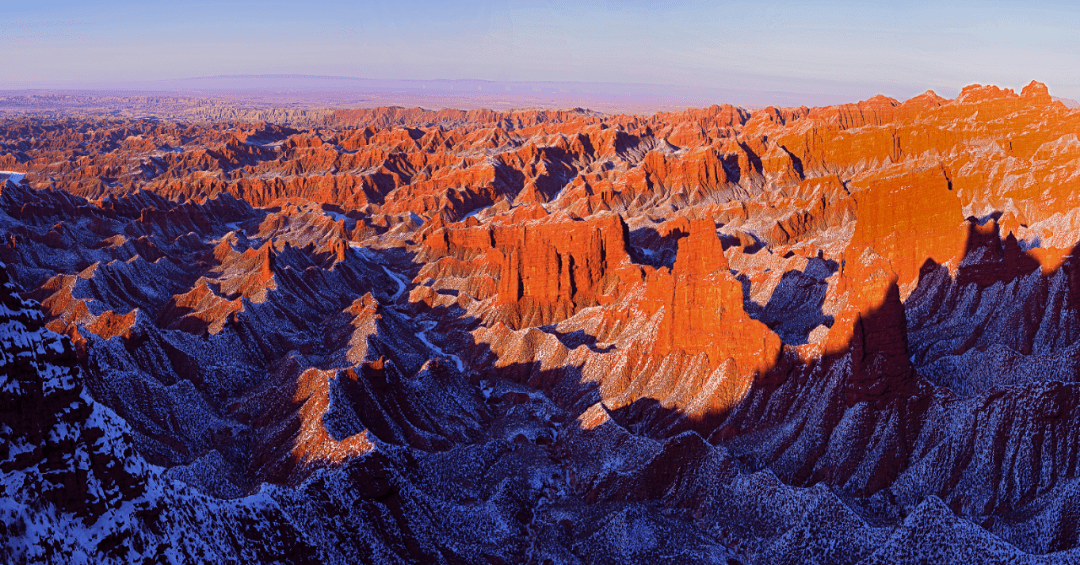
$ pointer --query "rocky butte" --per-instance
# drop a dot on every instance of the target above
(847, 335)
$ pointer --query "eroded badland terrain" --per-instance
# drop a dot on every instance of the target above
(845, 334)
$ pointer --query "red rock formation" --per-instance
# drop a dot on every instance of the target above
(546, 269)
(703, 311)
(872, 329)
(907, 219)
(550, 271)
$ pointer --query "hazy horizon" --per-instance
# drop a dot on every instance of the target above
(306, 91)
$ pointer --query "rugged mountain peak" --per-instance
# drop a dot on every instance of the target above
(1036, 91)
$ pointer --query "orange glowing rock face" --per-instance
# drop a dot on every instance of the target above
(703, 310)
(908, 219)
(425, 306)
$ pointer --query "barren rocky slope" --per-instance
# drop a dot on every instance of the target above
(830, 335)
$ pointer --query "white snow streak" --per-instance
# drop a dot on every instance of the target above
(400, 282)
(423, 337)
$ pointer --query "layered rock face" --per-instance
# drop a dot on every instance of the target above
(835, 335)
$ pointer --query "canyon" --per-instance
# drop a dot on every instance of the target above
(842, 334)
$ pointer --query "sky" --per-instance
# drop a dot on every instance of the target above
(838, 47)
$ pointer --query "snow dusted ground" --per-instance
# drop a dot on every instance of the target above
(369, 447)
(12, 176)
(79, 493)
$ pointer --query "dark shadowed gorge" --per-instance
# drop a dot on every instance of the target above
(845, 334)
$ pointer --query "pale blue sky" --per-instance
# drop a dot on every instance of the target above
(842, 47)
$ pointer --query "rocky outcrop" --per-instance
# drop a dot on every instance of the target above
(703, 311)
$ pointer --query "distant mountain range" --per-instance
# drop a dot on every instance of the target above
(1069, 102)
(470, 94)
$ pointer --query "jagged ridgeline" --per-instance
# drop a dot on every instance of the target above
(831, 335)
(73, 489)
